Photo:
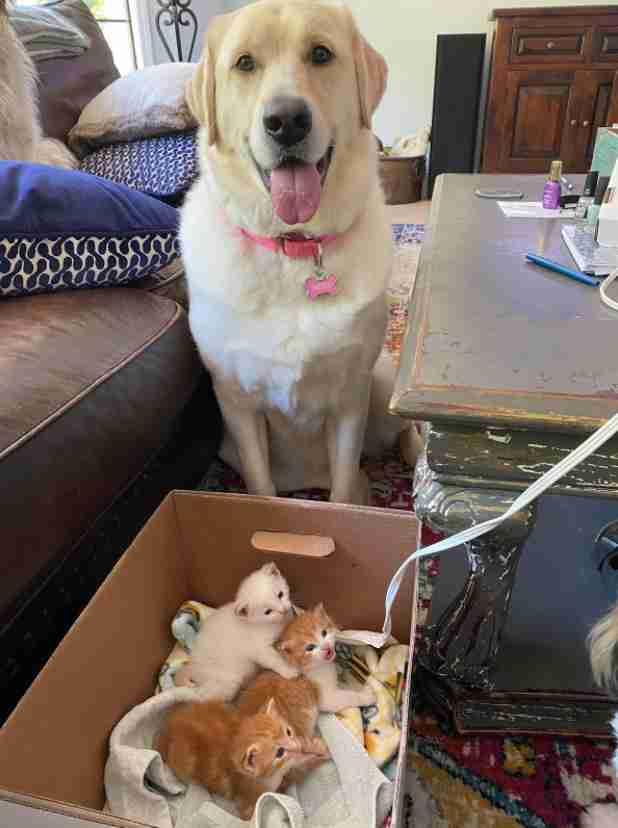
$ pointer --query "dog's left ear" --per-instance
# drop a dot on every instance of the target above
(201, 93)
(371, 72)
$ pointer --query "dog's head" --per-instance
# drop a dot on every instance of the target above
(285, 92)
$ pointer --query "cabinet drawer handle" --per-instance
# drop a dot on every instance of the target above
(573, 123)
(551, 44)
(585, 123)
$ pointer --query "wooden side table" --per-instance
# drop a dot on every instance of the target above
(511, 366)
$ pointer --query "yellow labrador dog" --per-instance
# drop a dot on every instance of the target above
(287, 244)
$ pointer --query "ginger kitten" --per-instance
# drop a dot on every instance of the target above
(308, 643)
(232, 755)
(298, 700)
(238, 638)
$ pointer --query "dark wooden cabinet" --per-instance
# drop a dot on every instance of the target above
(554, 81)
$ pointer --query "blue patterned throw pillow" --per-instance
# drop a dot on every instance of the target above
(64, 229)
(164, 167)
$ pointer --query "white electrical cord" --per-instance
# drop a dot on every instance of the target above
(605, 283)
(533, 491)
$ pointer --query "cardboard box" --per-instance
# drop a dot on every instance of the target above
(196, 545)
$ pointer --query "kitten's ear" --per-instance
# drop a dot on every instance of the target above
(271, 569)
(271, 709)
(242, 609)
(248, 760)
(321, 613)
(325, 616)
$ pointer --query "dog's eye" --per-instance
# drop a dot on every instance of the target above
(280, 753)
(310, 648)
(320, 54)
(323, 633)
(267, 612)
(245, 63)
(280, 596)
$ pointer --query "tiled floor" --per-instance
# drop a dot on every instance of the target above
(417, 213)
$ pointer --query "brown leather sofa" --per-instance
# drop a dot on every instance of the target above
(104, 407)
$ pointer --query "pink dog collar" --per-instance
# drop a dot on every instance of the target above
(294, 246)
(321, 283)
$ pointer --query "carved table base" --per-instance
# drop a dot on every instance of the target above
(528, 685)
(466, 638)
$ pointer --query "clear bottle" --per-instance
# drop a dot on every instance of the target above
(587, 197)
(552, 189)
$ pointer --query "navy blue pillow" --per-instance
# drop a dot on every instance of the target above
(65, 229)
(164, 166)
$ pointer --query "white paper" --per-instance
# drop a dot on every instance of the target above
(530, 209)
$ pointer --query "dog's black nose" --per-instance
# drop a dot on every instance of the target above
(287, 120)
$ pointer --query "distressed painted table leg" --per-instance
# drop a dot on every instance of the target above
(464, 642)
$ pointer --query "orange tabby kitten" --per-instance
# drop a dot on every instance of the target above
(236, 756)
(298, 700)
(308, 643)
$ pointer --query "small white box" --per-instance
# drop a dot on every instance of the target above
(607, 228)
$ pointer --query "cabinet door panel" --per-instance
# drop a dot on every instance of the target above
(596, 91)
(537, 120)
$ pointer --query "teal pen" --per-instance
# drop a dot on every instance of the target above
(565, 271)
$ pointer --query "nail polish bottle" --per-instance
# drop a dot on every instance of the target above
(552, 189)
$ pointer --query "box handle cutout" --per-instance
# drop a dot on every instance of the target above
(287, 543)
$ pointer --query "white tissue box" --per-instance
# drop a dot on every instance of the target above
(607, 229)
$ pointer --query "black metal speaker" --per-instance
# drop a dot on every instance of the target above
(457, 95)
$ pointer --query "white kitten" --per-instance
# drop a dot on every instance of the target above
(237, 639)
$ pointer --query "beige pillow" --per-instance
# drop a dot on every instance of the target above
(144, 104)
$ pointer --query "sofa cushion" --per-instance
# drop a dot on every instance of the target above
(143, 104)
(91, 384)
(68, 84)
(65, 229)
(163, 167)
(47, 33)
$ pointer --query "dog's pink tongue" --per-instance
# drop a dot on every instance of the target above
(295, 192)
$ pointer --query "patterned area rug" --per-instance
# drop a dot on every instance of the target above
(455, 781)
